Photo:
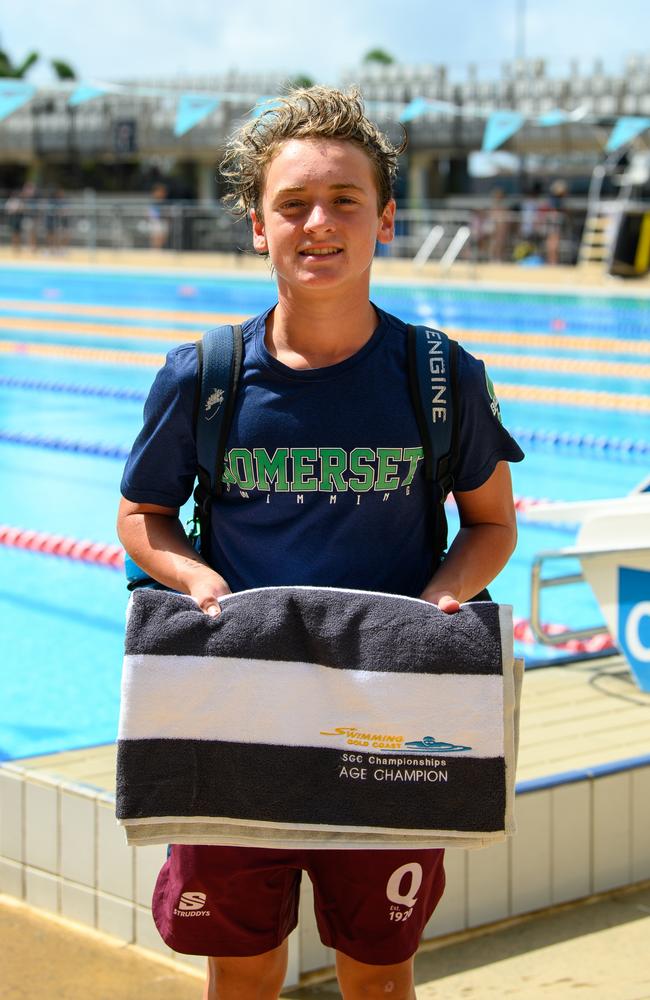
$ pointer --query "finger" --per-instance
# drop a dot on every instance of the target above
(211, 608)
(449, 605)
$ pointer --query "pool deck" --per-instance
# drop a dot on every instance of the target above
(573, 717)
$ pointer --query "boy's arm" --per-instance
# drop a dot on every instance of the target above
(154, 538)
(483, 545)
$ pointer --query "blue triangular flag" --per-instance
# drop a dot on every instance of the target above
(193, 108)
(418, 107)
(84, 92)
(13, 94)
(264, 104)
(555, 117)
(626, 129)
(499, 127)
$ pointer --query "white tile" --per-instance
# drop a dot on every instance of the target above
(11, 816)
(146, 933)
(612, 831)
(41, 827)
(450, 914)
(571, 841)
(148, 862)
(640, 824)
(41, 890)
(487, 885)
(78, 835)
(530, 854)
(78, 903)
(114, 858)
(313, 953)
(11, 878)
(115, 917)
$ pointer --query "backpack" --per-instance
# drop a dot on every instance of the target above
(432, 374)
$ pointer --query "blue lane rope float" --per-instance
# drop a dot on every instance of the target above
(63, 444)
(615, 448)
(42, 385)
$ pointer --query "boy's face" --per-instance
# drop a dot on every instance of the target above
(320, 219)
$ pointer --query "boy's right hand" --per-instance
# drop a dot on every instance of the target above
(207, 590)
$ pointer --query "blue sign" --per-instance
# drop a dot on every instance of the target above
(634, 622)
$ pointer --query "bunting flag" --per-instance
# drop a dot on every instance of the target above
(415, 109)
(192, 109)
(625, 130)
(85, 92)
(264, 104)
(554, 117)
(13, 94)
(500, 126)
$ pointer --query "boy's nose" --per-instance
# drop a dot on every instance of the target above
(319, 218)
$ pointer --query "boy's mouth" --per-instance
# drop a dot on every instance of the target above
(320, 251)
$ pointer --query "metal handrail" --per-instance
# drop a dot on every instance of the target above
(539, 583)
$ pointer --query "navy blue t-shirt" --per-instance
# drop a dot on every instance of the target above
(324, 481)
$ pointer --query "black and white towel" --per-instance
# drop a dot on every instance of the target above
(316, 717)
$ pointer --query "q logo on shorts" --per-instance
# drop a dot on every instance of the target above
(634, 622)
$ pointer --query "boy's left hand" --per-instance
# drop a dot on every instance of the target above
(445, 601)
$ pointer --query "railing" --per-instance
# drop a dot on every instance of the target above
(423, 234)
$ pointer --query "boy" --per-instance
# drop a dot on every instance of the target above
(326, 488)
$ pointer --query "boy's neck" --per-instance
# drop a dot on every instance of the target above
(318, 332)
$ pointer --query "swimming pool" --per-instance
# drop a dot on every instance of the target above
(571, 371)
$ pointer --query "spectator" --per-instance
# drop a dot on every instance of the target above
(14, 210)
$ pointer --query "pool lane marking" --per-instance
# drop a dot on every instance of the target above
(575, 366)
(75, 327)
(495, 337)
(538, 394)
(91, 354)
(582, 398)
(129, 312)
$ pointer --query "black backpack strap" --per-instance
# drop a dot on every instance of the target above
(219, 365)
(433, 381)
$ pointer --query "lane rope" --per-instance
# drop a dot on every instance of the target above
(606, 447)
(97, 449)
(75, 549)
(97, 355)
(112, 557)
(43, 385)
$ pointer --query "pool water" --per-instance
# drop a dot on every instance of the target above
(63, 620)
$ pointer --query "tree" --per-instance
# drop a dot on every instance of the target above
(63, 70)
(299, 81)
(379, 56)
(16, 70)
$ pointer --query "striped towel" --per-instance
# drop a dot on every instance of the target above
(315, 717)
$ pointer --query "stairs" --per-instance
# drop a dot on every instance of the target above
(595, 244)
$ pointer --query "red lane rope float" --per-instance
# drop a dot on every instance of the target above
(596, 644)
(112, 557)
(78, 550)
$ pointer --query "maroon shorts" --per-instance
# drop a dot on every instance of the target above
(243, 901)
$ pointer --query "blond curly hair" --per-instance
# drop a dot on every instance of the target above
(304, 113)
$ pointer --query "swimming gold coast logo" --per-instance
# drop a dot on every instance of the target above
(388, 741)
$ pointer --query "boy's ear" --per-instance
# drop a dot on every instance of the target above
(259, 234)
(386, 224)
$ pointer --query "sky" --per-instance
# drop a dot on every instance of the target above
(132, 39)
